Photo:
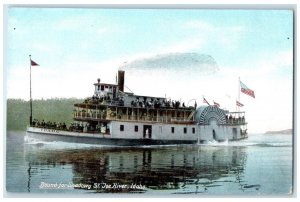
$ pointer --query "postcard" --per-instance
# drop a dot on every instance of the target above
(149, 101)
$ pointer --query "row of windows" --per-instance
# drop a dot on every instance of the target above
(106, 87)
(184, 130)
(136, 129)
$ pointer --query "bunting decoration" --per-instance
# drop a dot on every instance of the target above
(216, 104)
(205, 101)
(239, 104)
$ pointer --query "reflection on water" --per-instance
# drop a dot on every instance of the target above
(59, 168)
(159, 168)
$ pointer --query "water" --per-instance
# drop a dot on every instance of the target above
(259, 166)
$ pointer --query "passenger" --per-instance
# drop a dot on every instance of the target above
(33, 122)
(177, 104)
(230, 119)
(169, 103)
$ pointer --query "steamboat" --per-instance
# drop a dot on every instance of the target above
(112, 116)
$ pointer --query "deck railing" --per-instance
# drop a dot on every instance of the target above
(84, 115)
(236, 121)
(163, 119)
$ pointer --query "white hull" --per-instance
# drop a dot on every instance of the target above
(160, 134)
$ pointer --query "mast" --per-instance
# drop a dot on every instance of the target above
(239, 93)
(30, 118)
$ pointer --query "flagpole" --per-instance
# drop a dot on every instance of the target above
(239, 85)
(239, 93)
(30, 118)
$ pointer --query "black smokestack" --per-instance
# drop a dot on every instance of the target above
(121, 77)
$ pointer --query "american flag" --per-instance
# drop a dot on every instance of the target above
(216, 104)
(239, 104)
(246, 90)
(205, 101)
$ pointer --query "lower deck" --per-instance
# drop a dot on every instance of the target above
(50, 135)
(145, 133)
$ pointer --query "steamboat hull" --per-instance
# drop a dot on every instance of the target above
(51, 135)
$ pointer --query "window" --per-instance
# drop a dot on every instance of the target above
(193, 130)
(136, 128)
(121, 127)
(184, 130)
(102, 87)
(172, 129)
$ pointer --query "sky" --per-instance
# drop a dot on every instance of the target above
(76, 46)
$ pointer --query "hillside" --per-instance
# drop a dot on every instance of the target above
(56, 109)
(286, 132)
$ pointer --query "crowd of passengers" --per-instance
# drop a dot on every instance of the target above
(231, 119)
(75, 127)
(49, 124)
(143, 103)
(158, 104)
(105, 98)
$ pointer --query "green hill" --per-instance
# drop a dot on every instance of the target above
(56, 109)
(285, 132)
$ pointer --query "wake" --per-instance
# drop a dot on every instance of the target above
(245, 143)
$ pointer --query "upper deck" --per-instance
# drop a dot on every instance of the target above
(109, 112)
(110, 102)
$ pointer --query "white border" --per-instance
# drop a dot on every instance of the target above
(257, 4)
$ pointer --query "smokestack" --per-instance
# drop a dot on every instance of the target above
(121, 77)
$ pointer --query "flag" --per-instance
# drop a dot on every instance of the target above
(246, 90)
(205, 101)
(239, 104)
(33, 63)
(216, 104)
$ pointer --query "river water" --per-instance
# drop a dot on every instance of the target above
(261, 165)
